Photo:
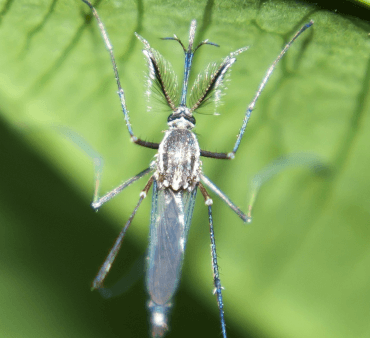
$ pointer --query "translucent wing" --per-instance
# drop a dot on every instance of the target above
(170, 221)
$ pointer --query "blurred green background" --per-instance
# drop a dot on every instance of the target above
(301, 269)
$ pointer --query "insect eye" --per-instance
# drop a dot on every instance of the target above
(174, 117)
(191, 119)
(170, 118)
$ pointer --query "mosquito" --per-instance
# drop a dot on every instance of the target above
(176, 173)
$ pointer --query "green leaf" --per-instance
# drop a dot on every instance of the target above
(299, 270)
(365, 2)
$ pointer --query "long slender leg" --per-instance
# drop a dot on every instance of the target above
(99, 279)
(227, 200)
(129, 279)
(306, 160)
(231, 155)
(121, 93)
(98, 202)
(216, 275)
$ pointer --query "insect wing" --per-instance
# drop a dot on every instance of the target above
(170, 221)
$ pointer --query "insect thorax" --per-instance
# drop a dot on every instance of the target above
(178, 162)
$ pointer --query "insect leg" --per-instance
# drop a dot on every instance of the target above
(98, 202)
(216, 275)
(99, 279)
(219, 193)
(305, 160)
(121, 92)
(231, 155)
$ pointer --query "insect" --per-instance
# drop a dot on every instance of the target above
(176, 173)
